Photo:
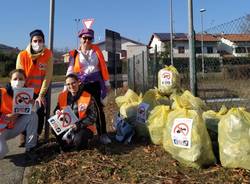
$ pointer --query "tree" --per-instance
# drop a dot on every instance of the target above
(165, 55)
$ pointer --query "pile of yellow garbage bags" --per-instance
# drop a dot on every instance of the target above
(184, 126)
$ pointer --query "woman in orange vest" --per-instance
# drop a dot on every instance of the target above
(89, 64)
(11, 124)
(37, 63)
(84, 107)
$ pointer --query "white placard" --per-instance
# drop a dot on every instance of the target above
(181, 132)
(166, 78)
(62, 120)
(21, 100)
(142, 112)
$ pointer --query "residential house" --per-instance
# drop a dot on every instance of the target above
(180, 44)
(214, 45)
(235, 44)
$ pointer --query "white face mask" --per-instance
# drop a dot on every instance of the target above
(17, 83)
(37, 47)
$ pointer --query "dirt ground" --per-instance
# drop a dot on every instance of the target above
(138, 162)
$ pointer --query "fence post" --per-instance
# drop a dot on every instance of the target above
(155, 60)
(133, 72)
(143, 81)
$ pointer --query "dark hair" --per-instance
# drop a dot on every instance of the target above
(17, 71)
(36, 32)
(72, 75)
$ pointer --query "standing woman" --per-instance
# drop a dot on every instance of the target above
(36, 61)
(89, 64)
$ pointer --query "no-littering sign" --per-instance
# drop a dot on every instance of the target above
(63, 120)
(21, 100)
(181, 133)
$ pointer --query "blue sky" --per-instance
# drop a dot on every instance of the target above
(134, 19)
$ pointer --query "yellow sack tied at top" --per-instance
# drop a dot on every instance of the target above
(188, 101)
(234, 139)
(186, 138)
(129, 110)
(156, 122)
(130, 96)
(168, 80)
(212, 118)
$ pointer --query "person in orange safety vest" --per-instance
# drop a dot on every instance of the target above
(12, 124)
(36, 61)
(84, 107)
(89, 64)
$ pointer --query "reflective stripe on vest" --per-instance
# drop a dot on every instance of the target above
(5, 108)
(82, 103)
(35, 72)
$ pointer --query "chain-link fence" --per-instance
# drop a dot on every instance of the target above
(222, 65)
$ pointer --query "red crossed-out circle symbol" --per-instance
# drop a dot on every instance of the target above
(65, 119)
(181, 128)
(22, 97)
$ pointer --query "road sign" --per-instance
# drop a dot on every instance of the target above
(113, 41)
(88, 22)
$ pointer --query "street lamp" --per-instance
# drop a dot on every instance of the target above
(171, 33)
(202, 44)
(77, 24)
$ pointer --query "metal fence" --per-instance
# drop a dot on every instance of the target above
(224, 77)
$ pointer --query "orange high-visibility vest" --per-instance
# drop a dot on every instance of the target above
(82, 103)
(6, 108)
(102, 63)
(35, 70)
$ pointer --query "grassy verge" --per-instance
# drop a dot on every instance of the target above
(139, 162)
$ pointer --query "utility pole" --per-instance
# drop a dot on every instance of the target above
(51, 41)
(202, 43)
(171, 33)
(77, 29)
(192, 67)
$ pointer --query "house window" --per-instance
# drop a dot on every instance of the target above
(123, 53)
(248, 49)
(181, 50)
(240, 50)
(210, 50)
(198, 50)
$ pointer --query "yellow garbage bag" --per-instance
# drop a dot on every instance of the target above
(130, 96)
(234, 139)
(186, 138)
(211, 119)
(188, 101)
(156, 122)
(168, 80)
(129, 110)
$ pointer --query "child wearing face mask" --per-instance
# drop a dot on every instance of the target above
(36, 61)
(11, 124)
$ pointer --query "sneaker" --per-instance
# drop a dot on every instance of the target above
(31, 156)
(104, 139)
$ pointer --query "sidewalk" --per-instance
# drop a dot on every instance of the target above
(13, 166)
